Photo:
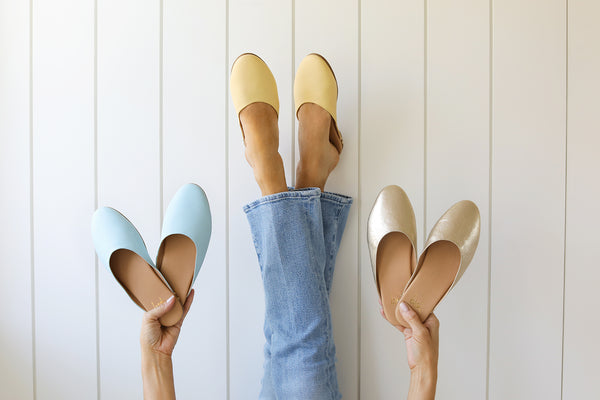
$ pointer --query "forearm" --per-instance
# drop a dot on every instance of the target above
(157, 376)
(422, 384)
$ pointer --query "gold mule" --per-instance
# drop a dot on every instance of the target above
(448, 251)
(392, 239)
(315, 83)
(251, 81)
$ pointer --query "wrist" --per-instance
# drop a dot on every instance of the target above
(423, 383)
(155, 357)
(157, 376)
(424, 374)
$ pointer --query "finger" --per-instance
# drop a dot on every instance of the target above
(411, 317)
(186, 308)
(433, 324)
(163, 309)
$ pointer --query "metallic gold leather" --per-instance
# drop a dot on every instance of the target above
(392, 212)
(251, 81)
(460, 225)
(315, 83)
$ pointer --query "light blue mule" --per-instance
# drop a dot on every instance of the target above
(122, 251)
(185, 237)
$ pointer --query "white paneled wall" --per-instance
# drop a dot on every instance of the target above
(120, 102)
(528, 198)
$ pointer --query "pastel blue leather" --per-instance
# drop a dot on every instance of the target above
(188, 214)
(111, 231)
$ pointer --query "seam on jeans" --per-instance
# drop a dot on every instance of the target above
(338, 198)
(332, 255)
(330, 349)
(335, 196)
(334, 201)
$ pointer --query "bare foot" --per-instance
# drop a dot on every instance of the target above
(262, 143)
(318, 156)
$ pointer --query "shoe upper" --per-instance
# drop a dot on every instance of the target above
(392, 212)
(315, 83)
(111, 231)
(251, 81)
(459, 225)
(188, 214)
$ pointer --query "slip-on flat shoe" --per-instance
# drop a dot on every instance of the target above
(122, 251)
(448, 251)
(184, 239)
(392, 239)
(315, 83)
(251, 81)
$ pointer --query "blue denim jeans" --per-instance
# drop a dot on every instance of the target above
(297, 235)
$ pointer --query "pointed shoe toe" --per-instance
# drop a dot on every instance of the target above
(315, 83)
(448, 252)
(392, 240)
(122, 251)
(184, 239)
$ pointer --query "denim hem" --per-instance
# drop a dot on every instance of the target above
(303, 194)
(337, 198)
(300, 194)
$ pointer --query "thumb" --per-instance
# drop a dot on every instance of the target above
(411, 317)
(156, 313)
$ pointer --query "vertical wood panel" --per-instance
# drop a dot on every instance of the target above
(128, 170)
(457, 169)
(63, 184)
(262, 27)
(391, 150)
(528, 173)
(16, 380)
(580, 366)
(194, 99)
(331, 29)
(202, 143)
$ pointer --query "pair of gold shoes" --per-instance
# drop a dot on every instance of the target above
(252, 82)
(392, 239)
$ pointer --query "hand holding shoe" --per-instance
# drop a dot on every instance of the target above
(422, 348)
(157, 344)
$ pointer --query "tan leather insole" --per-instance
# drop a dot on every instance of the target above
(433, 279)
(143, 285)
(177, 263)
(394, 259)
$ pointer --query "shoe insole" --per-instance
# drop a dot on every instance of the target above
(433, 279)
(177, 263)
(142, 284)
(394, 268)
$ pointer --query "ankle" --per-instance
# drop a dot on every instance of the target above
(310, 174)
(269, 174)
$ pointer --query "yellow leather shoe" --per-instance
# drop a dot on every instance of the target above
(315, 83)
(251, 81)
(448, 251)
(392, 239)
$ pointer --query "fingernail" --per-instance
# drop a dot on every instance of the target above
(170, 300)
(403, 307)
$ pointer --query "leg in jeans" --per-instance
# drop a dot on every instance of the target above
(288, 234)
(318, 157)
(334, 212)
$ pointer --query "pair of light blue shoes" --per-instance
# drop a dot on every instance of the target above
(184, 240)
